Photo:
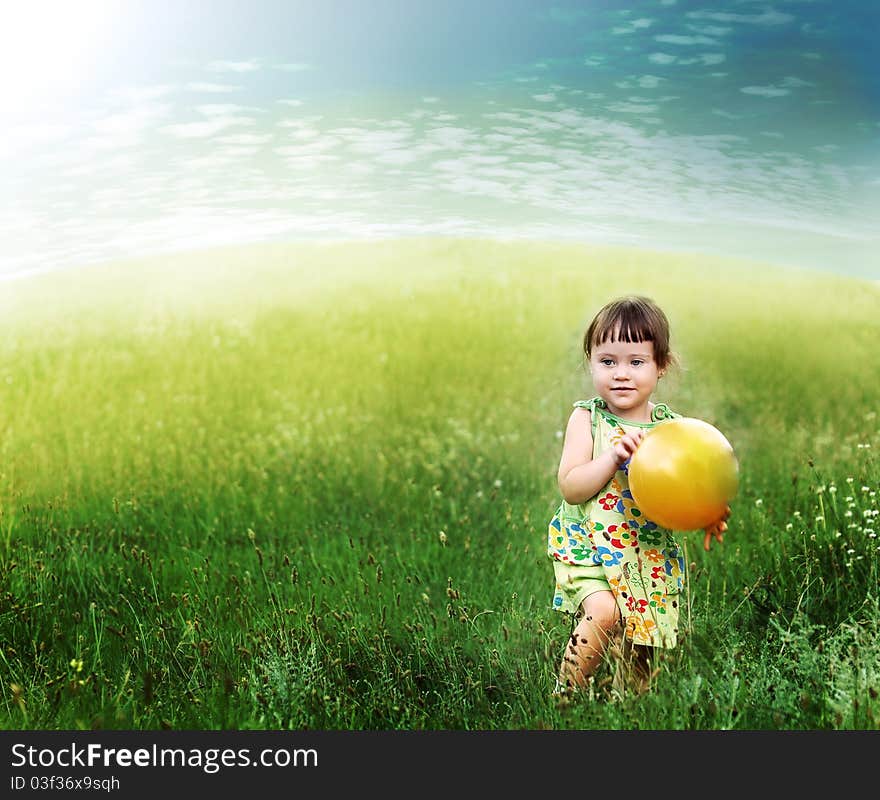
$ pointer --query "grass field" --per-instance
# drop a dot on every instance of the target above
(308, 487)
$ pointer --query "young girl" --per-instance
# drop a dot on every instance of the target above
(614, 568)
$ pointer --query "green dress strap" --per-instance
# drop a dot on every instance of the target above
(660, 412)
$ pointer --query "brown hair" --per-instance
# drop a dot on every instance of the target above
(632, 319)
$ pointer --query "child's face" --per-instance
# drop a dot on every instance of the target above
(625, 376)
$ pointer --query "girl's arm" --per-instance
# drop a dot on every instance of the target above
(580, 476)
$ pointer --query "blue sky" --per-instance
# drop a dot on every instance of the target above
(745, 128)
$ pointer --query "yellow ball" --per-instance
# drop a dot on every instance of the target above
(683, 474)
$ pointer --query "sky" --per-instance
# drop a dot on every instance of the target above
(742, 128)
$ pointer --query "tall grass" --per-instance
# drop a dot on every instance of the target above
(308, 487)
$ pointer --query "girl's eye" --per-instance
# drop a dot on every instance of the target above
(606, 362)
(637, 363)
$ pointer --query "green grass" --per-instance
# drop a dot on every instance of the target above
(308, 487)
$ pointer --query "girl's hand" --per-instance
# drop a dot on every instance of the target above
(626, 446)
(716, 529)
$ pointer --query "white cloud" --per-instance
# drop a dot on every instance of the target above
(765, 91)
(294, 67)
(375, 142)
(487, 159)
(769, 16)
(468, 184)
(318, 146)
(580, 168)
(245, 139)
(128, 122)
(124, 128)
(791, 81)
(710, 30)
(237, 153)
(649, 81)
(234, 66)
(788, 83)
(632, 108)
(211, 87)
(631, 27)
(708, 59)
(308, 161)
(199, 130)
(22, 138)
(219, 109)
(299, 129)
(686, 40)
(396, 156)
(643, 82)
(451, 137)
(133, 95)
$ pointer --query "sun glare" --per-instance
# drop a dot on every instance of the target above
(47, 47)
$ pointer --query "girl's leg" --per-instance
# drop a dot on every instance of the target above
(598, 618)
(643, 666)
(634, 669)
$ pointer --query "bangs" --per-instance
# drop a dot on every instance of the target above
(624, 328)
(630, 319)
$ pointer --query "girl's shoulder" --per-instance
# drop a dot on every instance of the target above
(593, 410)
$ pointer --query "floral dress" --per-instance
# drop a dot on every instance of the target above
(641, 562)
